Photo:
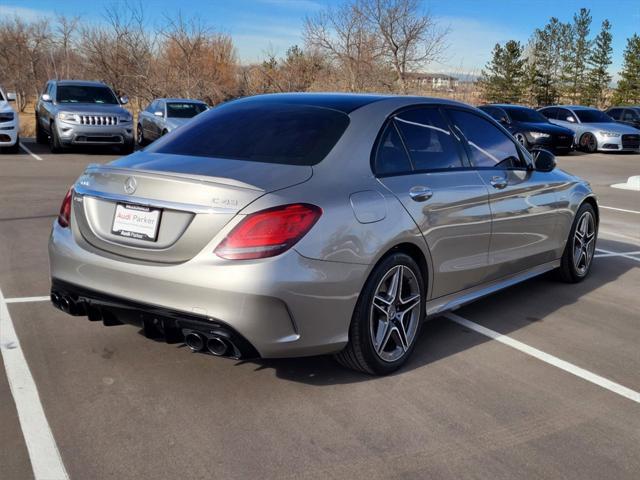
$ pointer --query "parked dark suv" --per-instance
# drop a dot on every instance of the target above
(75, 112)
(531, 128)
(628, 115)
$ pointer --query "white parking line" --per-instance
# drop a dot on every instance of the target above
(619, 209)
(24, 147)
(609, 253)
(43, 451)
(618, 235)
(26, 299)
(545, 357)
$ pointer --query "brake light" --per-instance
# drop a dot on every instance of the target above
(269, 232)
(64, 217)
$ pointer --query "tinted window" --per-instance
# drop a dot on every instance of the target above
(259, 132)
(566, 115)
(593, 116)
(491, 111)
(488, 145)
(391, 157)
(551, 113)
(615, 113)
(184, 110)
(527, 115)
(428, 139)
(630, 115)
(85, 94)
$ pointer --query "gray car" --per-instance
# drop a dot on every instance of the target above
(304, 224)
(78, 112)
(164, 115)
(595, 130)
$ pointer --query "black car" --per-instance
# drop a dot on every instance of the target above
(531, 128)
(628, 115)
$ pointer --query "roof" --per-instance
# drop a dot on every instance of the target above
(573, 107)
(506, 106)
(84, 83)
(343, 102)
(184, 100)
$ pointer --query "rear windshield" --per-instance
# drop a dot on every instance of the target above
(259, 132)
(184, 110)
(526, 115)
(85, 94)
(593, 116)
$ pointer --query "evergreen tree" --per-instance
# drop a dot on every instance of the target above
(502, 80)
(599, 61)
(577, 55)
(628, 91)
(548, 49)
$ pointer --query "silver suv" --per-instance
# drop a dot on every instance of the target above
(75, 112)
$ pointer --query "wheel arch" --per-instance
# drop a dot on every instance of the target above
(592, 201)
(417, 254)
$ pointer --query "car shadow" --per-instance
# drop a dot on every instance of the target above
(441, 338)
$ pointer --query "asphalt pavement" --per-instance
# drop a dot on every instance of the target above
(539, 382)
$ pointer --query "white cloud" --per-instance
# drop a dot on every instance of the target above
(28, 14)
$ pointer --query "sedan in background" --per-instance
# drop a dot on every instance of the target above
(305, 224)
(531, 128)
(628, 115)
(164, 115)
(595, 130)
(9, 124)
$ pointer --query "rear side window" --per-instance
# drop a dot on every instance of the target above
(489, 147)
(614, 113)
(428, 139)
(184, 109)
(551, 113)
(391, 156)
(629, 115)
(259, 132)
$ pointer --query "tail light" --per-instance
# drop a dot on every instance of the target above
(269, 232)
(64, 217)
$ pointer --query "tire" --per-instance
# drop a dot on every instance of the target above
(54, 141)
(588, 143)
(41, 136)
(140, 136)
(372, 333)
(575, 266)
(522, 140)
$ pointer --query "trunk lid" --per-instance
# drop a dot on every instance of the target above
(196, 198)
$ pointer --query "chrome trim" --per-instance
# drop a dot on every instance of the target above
(147, 202)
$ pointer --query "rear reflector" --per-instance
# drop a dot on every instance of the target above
(269, 232)
(64, 217)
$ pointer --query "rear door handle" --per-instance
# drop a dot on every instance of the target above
(498, 182)
(420, 194)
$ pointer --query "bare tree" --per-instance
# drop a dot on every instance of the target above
(410, 39)
(345, 36)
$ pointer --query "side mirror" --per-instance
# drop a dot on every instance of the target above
(124, 100)
(571, 119)
(159, 113)
(46, 97)
(543, 160)
(11, 96)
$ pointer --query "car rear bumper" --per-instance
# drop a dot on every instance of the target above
(283, 306)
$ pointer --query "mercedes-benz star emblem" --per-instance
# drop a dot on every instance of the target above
(130, 185)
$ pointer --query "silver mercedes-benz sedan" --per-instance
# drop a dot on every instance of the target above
(303, 224)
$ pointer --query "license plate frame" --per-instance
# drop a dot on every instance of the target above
(137, 222)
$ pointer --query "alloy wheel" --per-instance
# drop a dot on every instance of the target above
(584, 243)
(395, 313)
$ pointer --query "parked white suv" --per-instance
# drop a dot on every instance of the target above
(9, 124)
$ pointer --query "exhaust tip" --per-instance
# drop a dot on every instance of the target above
(194, 341)
(217, 346)
(55, 299)
(66, 304)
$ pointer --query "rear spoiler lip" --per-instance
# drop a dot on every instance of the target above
(227, 182)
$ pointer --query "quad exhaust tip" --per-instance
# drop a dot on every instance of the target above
(194, 341)
(217, 346)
